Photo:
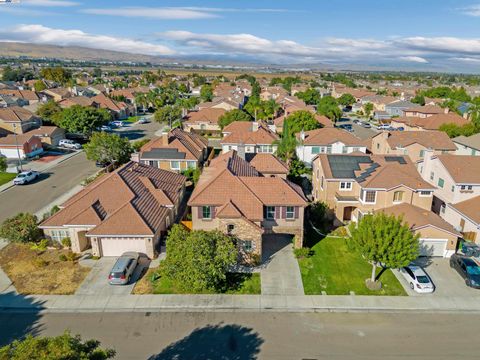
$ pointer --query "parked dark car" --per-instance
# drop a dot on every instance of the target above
(467, 268)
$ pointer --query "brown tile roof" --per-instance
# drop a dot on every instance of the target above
(15, 114)
(107, 103)
(330, 135)
(20, 139)
(267, 163)
(43, 131)
(463, 169)
(209, 115)
(418, 218)
(76, 100)
(234, 163)
(63, 92)
(470, 208)
(427, 109)
(436, 140)
(433, 122)
(246, 135)
(24, 94)
(470, 141)
(133, 200)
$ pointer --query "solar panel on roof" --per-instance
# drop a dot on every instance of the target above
(398, 159)
(344, 166)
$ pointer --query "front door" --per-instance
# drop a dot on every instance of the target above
(347, 213)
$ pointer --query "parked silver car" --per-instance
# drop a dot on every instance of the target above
(123, 269)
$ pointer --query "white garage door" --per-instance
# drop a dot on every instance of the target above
(433, 247)
(117, 246)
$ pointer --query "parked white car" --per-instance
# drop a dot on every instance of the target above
(383, 127)
(118, 123)
(418, 279)
(69, 144)
(25, 177)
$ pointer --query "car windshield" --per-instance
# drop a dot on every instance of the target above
(117, 274)
(22, 175)
(473, 270)
(422, 279)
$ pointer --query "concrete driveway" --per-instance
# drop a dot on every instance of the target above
(446, 280)
(96, 282)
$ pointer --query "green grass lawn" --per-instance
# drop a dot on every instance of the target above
(237, 284)
(337, 270)
(132, 119)
(6, 177)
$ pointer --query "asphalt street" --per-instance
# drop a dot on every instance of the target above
(50, 185)
(248, 336)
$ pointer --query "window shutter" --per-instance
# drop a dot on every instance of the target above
(213, 211)
(277, 212)
(200, 212)
(296, 212)
(284, 212)
(264, 212)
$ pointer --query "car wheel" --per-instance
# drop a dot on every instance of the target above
(411, 286)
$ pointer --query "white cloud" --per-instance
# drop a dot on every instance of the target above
(50, 3)
(473, 10)
(40, 34)
(441, 44)
(416, 59)
(466, 59)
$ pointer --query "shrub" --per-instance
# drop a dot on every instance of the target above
(318, 213)
(66, 242)
(254, 259)
(341, 231)
(71, 256)
(39, 262)
(302, 253)
(21, 228)
(41, 245)
(62, 257)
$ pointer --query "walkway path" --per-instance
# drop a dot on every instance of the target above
(281, 275)
(5, 282)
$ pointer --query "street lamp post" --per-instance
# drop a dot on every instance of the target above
(16, 145)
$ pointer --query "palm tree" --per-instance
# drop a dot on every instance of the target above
(287, 144)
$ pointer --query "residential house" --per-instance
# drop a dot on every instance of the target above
(57, 94)
(22, 145)
(412, 143)
(465, 217)
(467, 145)
(457, 178)
(118, 109)
(17, 119)
(273, 93)
(433, 122)
(397, 107)
(327, 140)
(424, 111)
(77, 100)
(356, 184)
(248, 137)
(176, 150)
(49, 135)
(233, 197)
(205, 120)
(379, 102)
(221, 103)
(437, 237)
(27, 97)
(357, 93)
(129, 209)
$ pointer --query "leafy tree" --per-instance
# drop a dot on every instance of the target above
(49, 111)
(141, 100)
(10, 74)
(318, 213)
(453, 130)
(206, 92)
(192, 174)
(367, 109)
(256, 89)
(231, 116)
(297, 169)
(287, 144)
(384, 239)
(309, 96)
(419, 99)
(108, 149)
(301, 120)
(255, 107)
(3, 163)
(82, 119)
(168, 114)
(39, 85)
(57, 74)
(198, 260)
(452, 105)
(97, 72)
(346, 100)
(21, 228)
(328, 107)
(64, 346)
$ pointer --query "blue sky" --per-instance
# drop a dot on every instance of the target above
(423, 34)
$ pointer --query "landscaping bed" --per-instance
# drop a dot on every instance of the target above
(237, 284)
(6, 177)
(41, 272)
(337, 270)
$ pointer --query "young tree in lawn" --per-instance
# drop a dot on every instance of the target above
(22, 228)
(346, 100)
(108, 149)
(233, 115)
(64, 346)
(168, 114)
(198, 260)
(82, 119)
(328, 106)
(367, 109)
(384, 240)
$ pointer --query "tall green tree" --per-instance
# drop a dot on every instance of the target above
(419, 99)
(108, 149)
(168, 114)
(384, 239)
(301, 120)
(310, 96)
(21, 228)
(328, 107)
(57, 74)
(287, 144)
(49, 111)
(367, 109)
(206, 92)
(255, 107)
(233, 115)
(198, 260)
(82, 119)
(39, 85)
(346, 100)
(64, 346)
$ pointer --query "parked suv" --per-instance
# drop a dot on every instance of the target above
(25, 177)
(123, 269)
(69, 144)
(467, 268)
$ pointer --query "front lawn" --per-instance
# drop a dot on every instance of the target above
(132, 119)
(41, 272)
(335, 269)
(6, 177)
(237, 284)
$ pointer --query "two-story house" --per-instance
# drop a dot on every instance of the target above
(467, 145)
(396, 108)
(252, 136)
(176, 150)
(17, 119)
(205, 120)
(233, 197)
(412, 143)
(328, 140)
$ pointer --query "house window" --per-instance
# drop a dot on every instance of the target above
(344, 150)
(270, 212)
(321, 183)
(206, 212)
(432, 175)
(422, 153)
(167, 222)
(58, 235)
(425, 193)
(441, 182)
(369, 196)
(378, 146)
(153, 163)
(230, 228)
(246, 245)
(466, 187)
(290, 212)
(397, 196)
(345, 186)
(315, 149)
(265, 149)
(453, 188)
(442, 209)
(191, 164)
(175, 165)
(355, 149)
(329, 149)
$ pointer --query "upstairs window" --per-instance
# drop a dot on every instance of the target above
(270, 212)
(441, 183)
(290, 212)
(345, 186)
(206, 212)
(398, 196)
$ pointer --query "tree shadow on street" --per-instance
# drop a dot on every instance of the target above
(20, 321)
(214, 342)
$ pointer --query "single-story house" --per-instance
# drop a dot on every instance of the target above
(23, 145)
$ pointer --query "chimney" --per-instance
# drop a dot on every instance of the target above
(241, 151)
(302, 135)
(402, 96)
(447, 110)
(254, 126)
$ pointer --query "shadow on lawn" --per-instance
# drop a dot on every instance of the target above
(21, 321)
(214, 342)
